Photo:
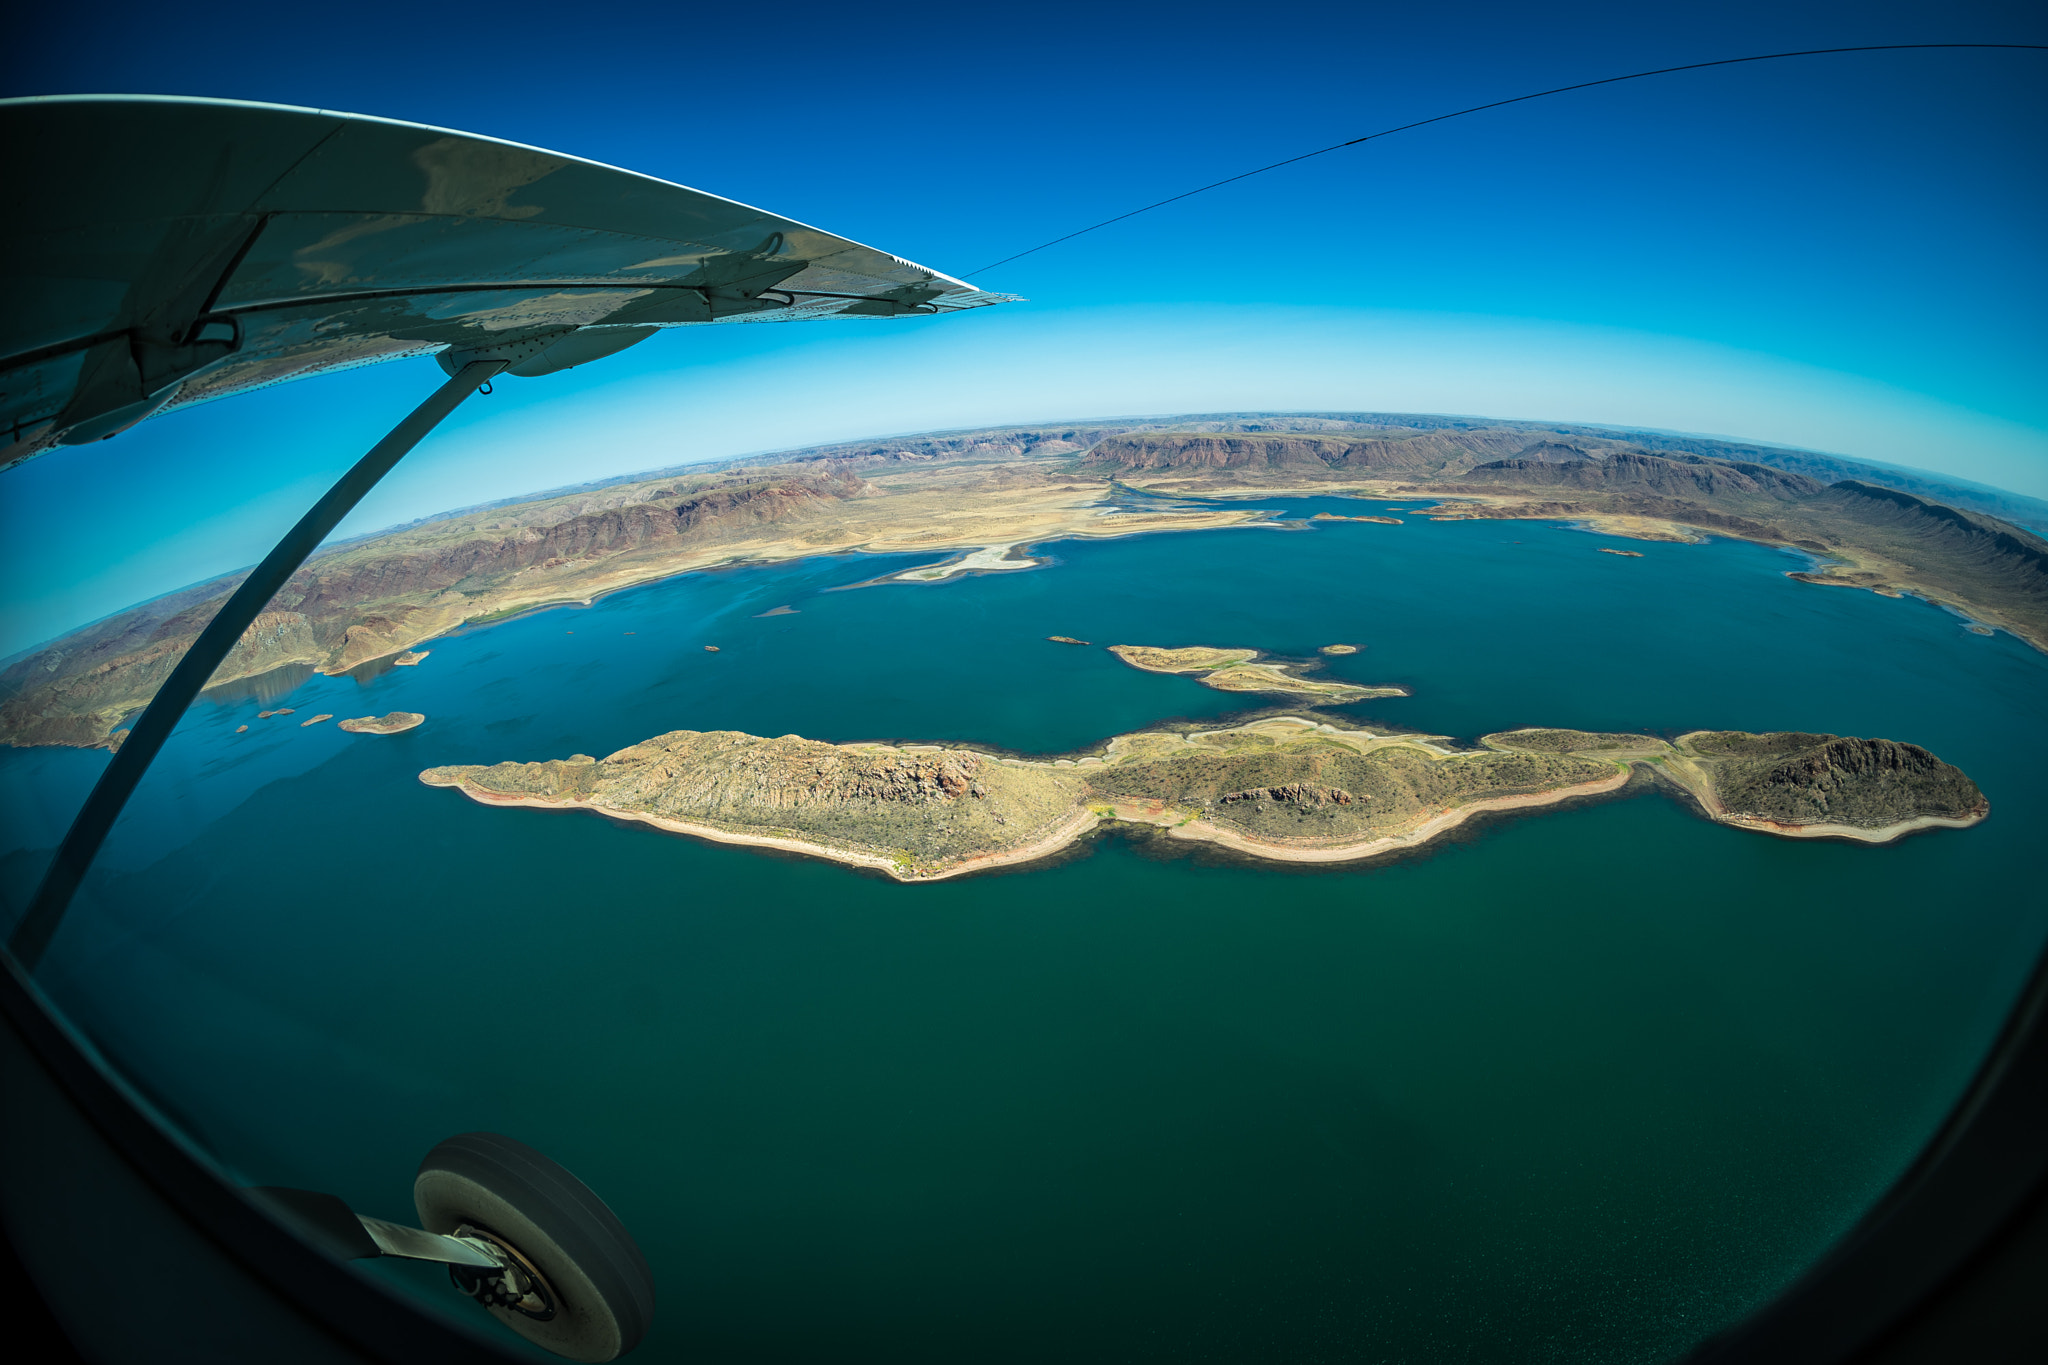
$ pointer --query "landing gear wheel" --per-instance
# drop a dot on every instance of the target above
(580, 1287)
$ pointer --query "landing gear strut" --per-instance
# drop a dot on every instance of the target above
(519, 1234)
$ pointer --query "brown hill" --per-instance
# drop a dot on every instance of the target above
(1801, 779)
(1419, 453)
(364, 600)
(1689, 476)
(373, 598)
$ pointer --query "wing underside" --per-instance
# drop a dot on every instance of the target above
(164, 252)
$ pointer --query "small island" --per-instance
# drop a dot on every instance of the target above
(1626, 554)
(1065, 640)
(389, 724)
(1235, 670)
(1332, 516)
(1282, 788)
(1338, 649)
(315, 720)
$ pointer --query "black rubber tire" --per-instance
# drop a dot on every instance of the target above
(605, 1291)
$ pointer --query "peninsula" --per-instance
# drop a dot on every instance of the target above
(1282, 788)
(973, 494)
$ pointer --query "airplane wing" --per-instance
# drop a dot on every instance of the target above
(159, 252)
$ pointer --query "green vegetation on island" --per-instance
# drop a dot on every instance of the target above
(1234, 670)
(1290, 782)
(1538, 741)
(1788, 782)
(1283, 788)
(1795, 783)
(915, 811)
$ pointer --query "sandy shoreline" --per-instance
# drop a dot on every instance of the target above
(1061, 835)
(987, 559)
(1882, 834)
(993, 527)
(1067, 831)
(1681, 772)
(1386, 843)
(1181, 823)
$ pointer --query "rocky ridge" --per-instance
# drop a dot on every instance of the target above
(1884, 529)
(1789, 782)
(1283, 788)
(1801, 780)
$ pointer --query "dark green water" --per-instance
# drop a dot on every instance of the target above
(1578, 1086)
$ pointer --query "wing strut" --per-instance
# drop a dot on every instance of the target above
(110, 794)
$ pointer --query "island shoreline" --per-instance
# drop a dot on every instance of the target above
(1059, 838)
(1441, 823)
(1681, 774)
(1083, 822)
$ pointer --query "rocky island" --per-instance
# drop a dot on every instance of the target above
(1235, 670)
(388, 724)
(1283, 788)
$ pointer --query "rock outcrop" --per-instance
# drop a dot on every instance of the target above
(1788, 782)
(1799, 779)
(920, 807)
(1689, 476)
(1283, 788)
(1298, 793)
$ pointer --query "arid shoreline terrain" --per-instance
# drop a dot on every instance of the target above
(974, 493)
(1287, 789)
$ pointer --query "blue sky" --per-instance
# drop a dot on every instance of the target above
(1839, 252)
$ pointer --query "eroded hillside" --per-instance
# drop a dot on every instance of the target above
(1284, 788)
(369, 599)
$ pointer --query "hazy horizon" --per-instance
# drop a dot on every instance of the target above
(1839, 253)
(12, 648)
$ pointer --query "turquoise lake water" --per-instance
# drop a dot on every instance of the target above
(1580, 1085)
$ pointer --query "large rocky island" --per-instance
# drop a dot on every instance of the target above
(1283, 787)
(1881, 528)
